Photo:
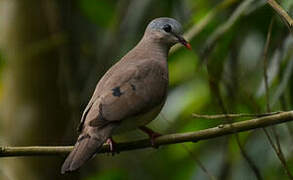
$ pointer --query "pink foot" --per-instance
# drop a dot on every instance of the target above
(111, 144)
(152, 134)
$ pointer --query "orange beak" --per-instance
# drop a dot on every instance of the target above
(184, 42)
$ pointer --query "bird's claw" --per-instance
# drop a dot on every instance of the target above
(111, 144)
(153, 138)
(152, 134)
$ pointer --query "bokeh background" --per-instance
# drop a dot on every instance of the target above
(52, 54)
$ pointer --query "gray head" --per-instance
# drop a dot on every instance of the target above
(166, 30)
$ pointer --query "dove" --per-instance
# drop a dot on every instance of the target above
(130, 94)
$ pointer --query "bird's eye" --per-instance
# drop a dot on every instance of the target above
(167, 28)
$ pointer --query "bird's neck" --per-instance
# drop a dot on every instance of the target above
(154, 49)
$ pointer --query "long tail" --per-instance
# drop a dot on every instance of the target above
(84, 149)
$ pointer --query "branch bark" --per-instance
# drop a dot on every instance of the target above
(284, 15)
(242, 115)
(221, 130)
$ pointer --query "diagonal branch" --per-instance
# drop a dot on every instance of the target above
(194, 156)
(277, 148)
(284, 15)
(205, 134)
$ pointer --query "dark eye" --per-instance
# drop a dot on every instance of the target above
(167, 28)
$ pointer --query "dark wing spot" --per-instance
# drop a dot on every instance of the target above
(116, 91)
(133, 87)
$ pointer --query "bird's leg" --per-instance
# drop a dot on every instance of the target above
(152, 134)
(111, 144)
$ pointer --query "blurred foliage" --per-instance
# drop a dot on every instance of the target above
(100, 32)
(110, 174)
(2, 65)
(100, 12)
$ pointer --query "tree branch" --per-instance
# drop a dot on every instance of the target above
(284, 15)
(205, 134)
(242, 115)
(277, 148)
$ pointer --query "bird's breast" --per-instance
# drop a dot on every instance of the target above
(134, 122)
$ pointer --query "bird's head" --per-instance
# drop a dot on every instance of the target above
(166, 30)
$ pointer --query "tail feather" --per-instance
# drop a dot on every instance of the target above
(81, 153)
(85, 148)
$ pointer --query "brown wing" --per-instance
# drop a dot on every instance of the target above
(135, 91)
(104, 84)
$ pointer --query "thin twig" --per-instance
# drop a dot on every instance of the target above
(241, 115)
(277, 148)
(205, 134)
(248, 159)
(265, 65)
(279, 154)
(193, 156)
(215, 88)
(232, 89)
(281, 12)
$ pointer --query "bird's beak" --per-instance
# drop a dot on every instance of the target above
(183, 42)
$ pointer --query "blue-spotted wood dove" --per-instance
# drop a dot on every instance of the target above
(130, 94)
